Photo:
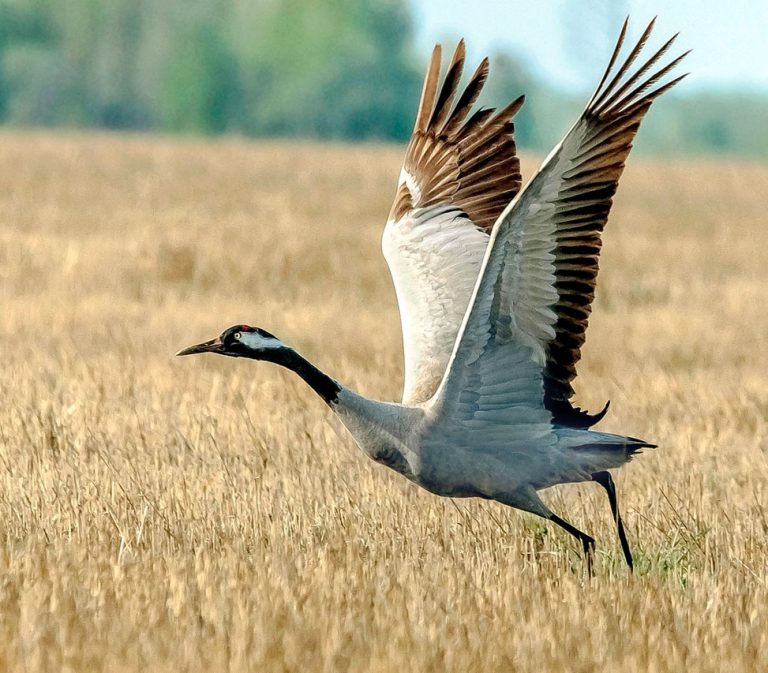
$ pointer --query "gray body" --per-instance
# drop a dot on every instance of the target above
(509, 467)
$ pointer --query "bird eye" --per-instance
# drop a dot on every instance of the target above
(237, 336)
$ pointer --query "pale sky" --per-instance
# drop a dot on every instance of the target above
(567, 41)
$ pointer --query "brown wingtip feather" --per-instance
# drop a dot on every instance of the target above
(470, 163)
(450, 86)
(466, 100)
(620, 95)
(513, 108)
(611, 61)
(633, 54)
(429, 90)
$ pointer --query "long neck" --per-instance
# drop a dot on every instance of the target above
(379, 428)
(321, 383)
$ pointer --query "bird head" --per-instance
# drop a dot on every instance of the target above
(240, 341)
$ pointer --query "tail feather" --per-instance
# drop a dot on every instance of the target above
(608, 449)
(604, 442)
(587, 452)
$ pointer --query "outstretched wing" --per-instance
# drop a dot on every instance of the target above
(535, 292)
(459, 174)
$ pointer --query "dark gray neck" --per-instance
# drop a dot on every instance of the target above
(321, 383)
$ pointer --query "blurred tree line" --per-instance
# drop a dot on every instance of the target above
(326, 68)
(319, 68)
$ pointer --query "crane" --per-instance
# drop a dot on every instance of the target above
(495, 284)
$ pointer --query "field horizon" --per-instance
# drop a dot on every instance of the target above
(207, 514)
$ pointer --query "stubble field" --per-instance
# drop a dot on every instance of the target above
(204, 514)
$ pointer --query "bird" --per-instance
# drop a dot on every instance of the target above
(495, 284)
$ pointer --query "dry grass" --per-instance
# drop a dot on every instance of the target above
(203, 515)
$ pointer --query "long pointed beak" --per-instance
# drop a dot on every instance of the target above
(212, 346)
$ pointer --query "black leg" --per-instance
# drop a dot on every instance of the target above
(606, 481)
(587, 542)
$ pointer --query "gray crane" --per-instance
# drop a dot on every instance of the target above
(495, 285)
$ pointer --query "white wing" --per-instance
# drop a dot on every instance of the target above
(515, 357)
(457, 178)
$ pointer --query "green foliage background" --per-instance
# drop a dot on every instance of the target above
(290, 68)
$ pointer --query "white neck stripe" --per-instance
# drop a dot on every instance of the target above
(259, 342)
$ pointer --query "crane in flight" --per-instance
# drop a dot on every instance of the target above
(495, 285)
